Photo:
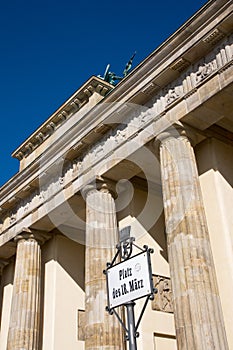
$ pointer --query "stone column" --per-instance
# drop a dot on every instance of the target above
(197, 310)
(3, 263)
(102, 331)
(24, 320)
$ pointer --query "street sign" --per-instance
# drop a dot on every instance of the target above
(129, 280)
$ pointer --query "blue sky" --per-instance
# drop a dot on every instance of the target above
(50, 48)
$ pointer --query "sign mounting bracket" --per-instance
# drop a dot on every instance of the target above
(127, 280)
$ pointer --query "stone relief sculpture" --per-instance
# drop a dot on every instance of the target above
(172, 95)
(163, 299)
(12, 217)
(81, 325)
(114, 138)
(204, 71)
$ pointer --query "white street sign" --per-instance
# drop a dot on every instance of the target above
(129, 280)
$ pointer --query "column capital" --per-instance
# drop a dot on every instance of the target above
(176, 130)
(189, 245)
(101, 184)
(102, 331)
(24, 331)
(30, 234)
(87, 189)
(106, 185)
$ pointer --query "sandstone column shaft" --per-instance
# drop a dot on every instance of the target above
(24, 321)
(102, 330)
(198, 315)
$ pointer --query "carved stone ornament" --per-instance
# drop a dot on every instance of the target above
(172, 95)
(163, 299)
(81, 325)
(12, 218)
(204, 71)
(181, 87)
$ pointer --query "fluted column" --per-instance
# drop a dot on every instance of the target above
(197, 310)
(24, 320)
(102, 330)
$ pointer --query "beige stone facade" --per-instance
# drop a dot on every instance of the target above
(154, 152)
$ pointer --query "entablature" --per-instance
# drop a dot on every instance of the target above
(192, 41)
(171, 89)
(182, 97)
(94, 86)
(58, 180)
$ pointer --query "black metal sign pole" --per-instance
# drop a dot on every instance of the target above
(131, 326)
(124, 251)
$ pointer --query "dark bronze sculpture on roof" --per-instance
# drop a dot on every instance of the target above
(111, 77)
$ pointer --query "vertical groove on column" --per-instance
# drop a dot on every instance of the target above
(102, 330)
(24, 321)
(189, 250)
(198, 315)
(211, 299)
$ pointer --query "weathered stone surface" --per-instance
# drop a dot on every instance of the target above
(163, 298)
(24, 322)
(197, 310)
(102, 331)
(81, 324)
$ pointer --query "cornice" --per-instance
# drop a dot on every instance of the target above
(200, 26)
(81, 170)
(187, 45)
(142, 80)
(71, 106)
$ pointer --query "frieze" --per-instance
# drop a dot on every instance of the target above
(137, 118)
(203, 71)
(187, 83)
(172, 95)
(174, 92)
(12, 217)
